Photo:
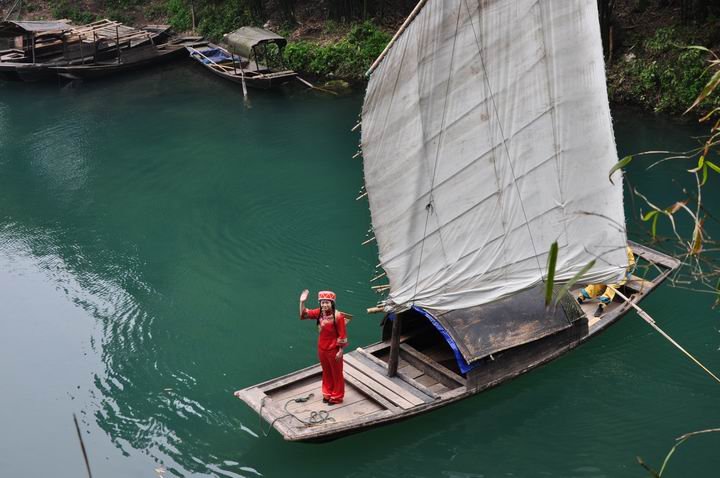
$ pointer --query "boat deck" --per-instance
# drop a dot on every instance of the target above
(294, 403)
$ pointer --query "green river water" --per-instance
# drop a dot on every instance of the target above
(155, 232)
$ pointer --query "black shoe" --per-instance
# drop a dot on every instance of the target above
(600, 310)
(325, 400)
(580, 299)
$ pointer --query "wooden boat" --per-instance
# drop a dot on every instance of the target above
(33, 42)
(248, 61)
(41, 47)
(428, 375)
(487, 142)
(129, 60)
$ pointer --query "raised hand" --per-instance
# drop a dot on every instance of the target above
(304, 295)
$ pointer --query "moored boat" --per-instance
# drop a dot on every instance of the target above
(129, 60)
(41, 48)
(250, 51)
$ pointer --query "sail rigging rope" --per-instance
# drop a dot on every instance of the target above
(429, 206)
(502, 135)
(387, 113)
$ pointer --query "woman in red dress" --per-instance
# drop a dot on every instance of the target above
(331, 340)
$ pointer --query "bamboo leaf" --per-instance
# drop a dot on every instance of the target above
(700, 164)
(709, 88)
(619, 165)
(552, 261)
(701, 48)
(713, 166)
(709, 115)
(565, 288)
(648, 215)
(704, 175)
(697, 242)
(653, 228)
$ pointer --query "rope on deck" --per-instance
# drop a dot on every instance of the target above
(316, 418)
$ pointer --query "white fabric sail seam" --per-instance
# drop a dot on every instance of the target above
(429, 208)
(502, 135)
(553, 116)
(397, 81)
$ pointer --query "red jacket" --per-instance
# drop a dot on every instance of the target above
(331, 335)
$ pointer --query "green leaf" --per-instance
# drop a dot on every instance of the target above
(552, 261)
(701, 48)
(619, 165)
(704, 177)
(709, 115)
(648, 215)
(574, 280)
(653, 228)
(709, 88)
(701, 162)
(713, 166)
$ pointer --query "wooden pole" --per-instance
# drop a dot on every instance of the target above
(242, 76)
(33, 47)
(646, 317)
(394, 346)
(117, 42)
(402, 28)
(192, 14)
(82, 446)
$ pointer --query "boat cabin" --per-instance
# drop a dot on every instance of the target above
(262, 48)
(30, 41)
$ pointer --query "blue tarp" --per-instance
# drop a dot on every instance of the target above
(462, 364)
(215, 55)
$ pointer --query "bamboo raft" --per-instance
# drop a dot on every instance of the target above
(427, 375)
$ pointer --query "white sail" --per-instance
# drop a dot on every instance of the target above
(487, 136)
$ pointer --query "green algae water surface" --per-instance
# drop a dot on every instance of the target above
(155, 232)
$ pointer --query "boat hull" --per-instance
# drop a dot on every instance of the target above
(161, 55)
(260, 80)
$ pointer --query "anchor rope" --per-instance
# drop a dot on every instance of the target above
(315, 418)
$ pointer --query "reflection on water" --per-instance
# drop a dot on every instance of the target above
(181, 225)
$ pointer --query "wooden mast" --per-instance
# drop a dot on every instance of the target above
(394, 346)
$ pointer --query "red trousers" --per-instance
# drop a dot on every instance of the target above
(333, 382)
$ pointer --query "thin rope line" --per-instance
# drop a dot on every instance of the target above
(554, 118)
(429, 206)
(504, 140)
(389, 108)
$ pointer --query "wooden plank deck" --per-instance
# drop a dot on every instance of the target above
(397, 386)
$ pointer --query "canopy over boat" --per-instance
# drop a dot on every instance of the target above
(243, 40)
(483, 144)
(11, 28)
(477, 332)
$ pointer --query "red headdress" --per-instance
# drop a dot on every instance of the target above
(326, 295)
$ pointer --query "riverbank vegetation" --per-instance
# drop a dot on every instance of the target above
(645, 41)
(650, 54)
